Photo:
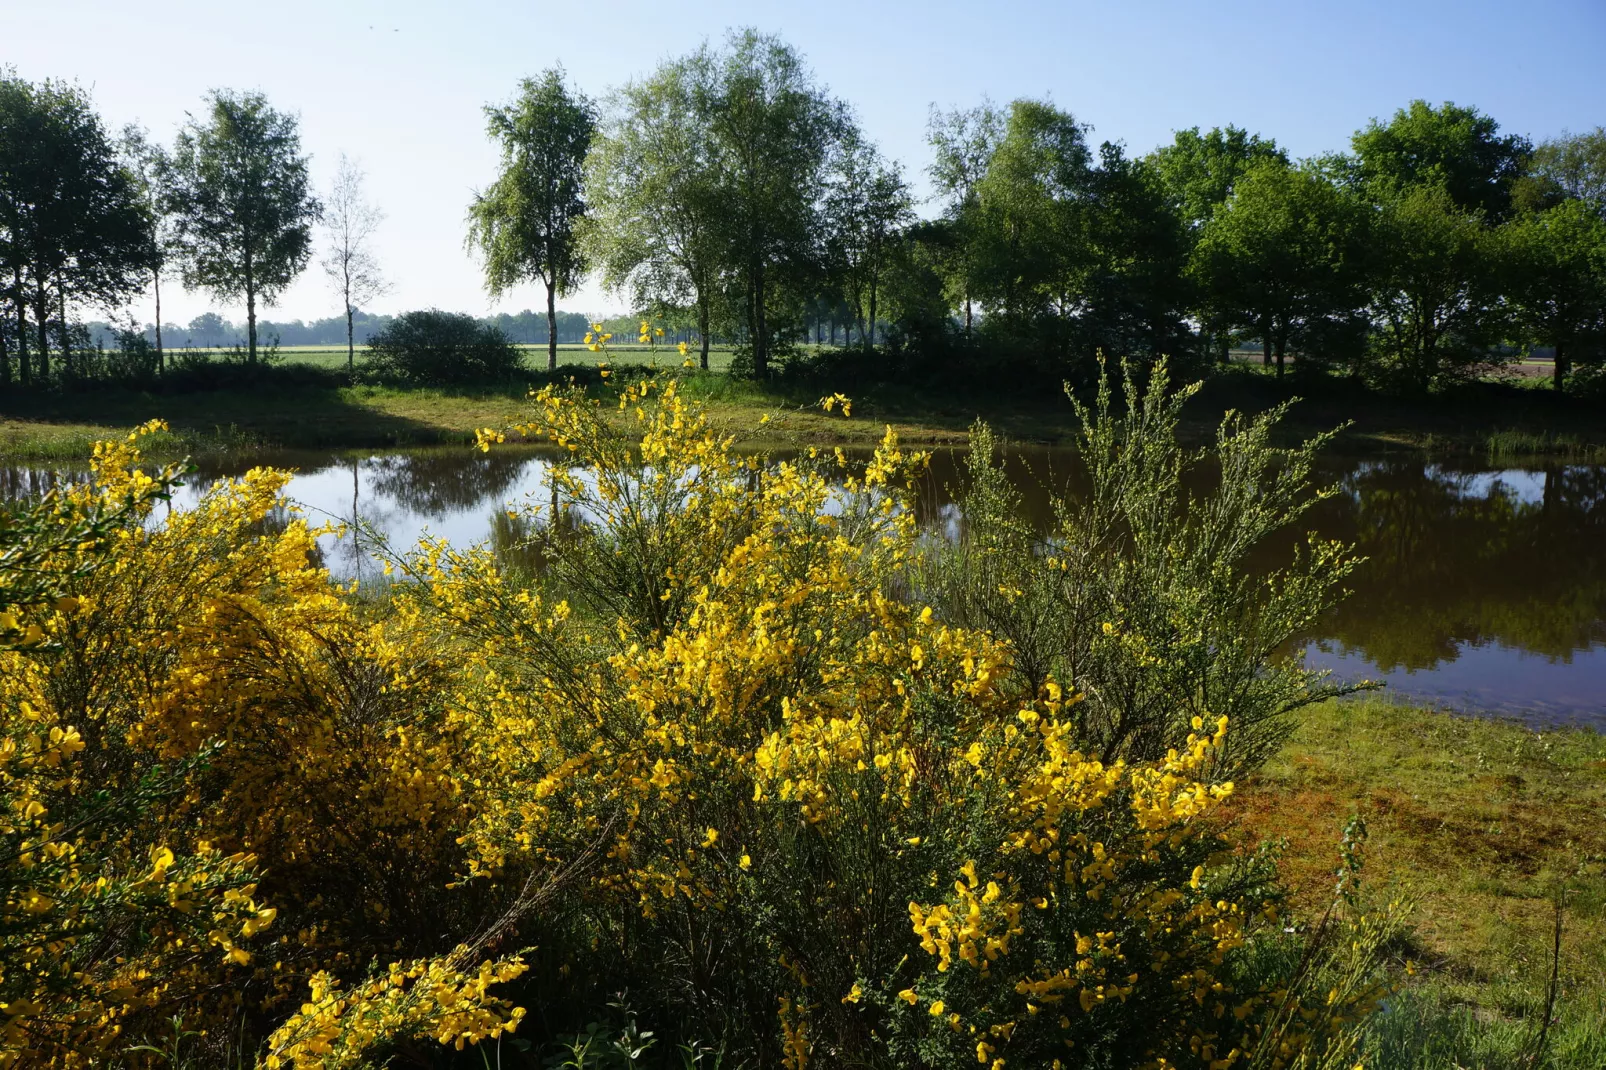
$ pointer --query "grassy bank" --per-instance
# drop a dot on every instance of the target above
(1484, 825)
(1504, 422)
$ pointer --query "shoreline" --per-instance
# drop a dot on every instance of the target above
(1494, 421)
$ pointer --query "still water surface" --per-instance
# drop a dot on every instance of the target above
(1484, 589)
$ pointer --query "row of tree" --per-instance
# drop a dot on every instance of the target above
(730, 193)
(212, 331)
(89, 221)
(729, 186)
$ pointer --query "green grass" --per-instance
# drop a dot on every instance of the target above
(64, 426)
(1483, 421)
(1483, 824)
(1521, 445)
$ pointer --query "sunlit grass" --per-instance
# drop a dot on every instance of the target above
(1484, 824)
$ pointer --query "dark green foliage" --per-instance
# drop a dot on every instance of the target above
(773, 125)
(1558, 280)
(1570, 167)
(1436, 279)
(72, 229)
(1282, 257)
(434, 348)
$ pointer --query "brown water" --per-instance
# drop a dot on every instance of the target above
(1484, 589)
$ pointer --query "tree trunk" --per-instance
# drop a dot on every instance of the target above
(5, 358)
(161, 359)
(41, 311)
(24, 365)
(251, 326)
(702, 328)
(551, 327)
(872, 310)
(66, 335)
(351, 344)
(761, 340)
(1281, 346)
(1558, 375)
(967, 313)
(1265, 347)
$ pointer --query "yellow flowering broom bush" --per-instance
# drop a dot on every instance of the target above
(219, 782)
(819, 823)
(715, 755)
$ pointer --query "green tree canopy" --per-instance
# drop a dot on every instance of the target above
(242, 203)
(1032, 220)
(656, 216)
(1455, 147)
(524, 224)
(1280, 255)
(1558, 281)
(72, 229)
(1570, 166)
(147, 162)
(773, 125)
(867, 204)
(1200, 171)
(1435, 284)
(962, 142)
(1137, 245)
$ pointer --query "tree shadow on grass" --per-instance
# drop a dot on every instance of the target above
(298, 417)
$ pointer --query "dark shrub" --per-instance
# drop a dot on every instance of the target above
(438, 348)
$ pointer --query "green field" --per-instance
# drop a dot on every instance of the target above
(534, 355)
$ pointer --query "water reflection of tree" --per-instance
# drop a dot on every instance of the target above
(437, 482)
(26, 484)
(1449, 565)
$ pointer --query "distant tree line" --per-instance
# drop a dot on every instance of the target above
(728, 194)
(211, 330)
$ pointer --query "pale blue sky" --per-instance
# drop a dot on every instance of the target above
(399, 84)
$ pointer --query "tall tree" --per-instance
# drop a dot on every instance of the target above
(1032, 218)
(147, 162)
(1136, 292)
(350, 221)
(1558, 280)
(1199, 172)
(1457, 148)
(241, 199)
(1435, 277)
(71, 228)
(963, 142)
(867, 203)
(772, 124)
(654, 225)
(1279, 256)
(524, 224)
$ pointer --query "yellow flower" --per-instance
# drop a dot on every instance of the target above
(854, 994)
(909, 997)
(710, 837)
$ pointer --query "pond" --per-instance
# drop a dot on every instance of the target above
(1484, 589)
